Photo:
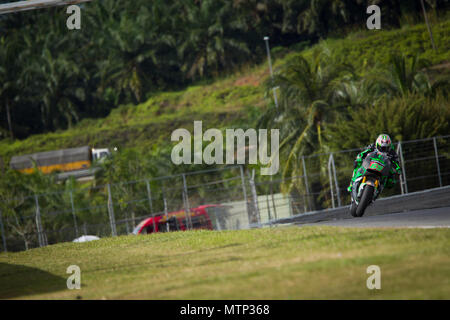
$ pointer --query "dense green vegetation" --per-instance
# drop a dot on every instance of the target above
(276, 263)
(130, 77)
(328, 103)
(127, 51)
(406, 123)
(236, 100)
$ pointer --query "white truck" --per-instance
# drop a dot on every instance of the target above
(75, 162)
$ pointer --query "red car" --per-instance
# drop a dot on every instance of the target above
(174, 221)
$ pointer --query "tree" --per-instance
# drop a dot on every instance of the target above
(60, 89)
(9, 82)
(409, 117)
(407, 75)
(307, 106)
(210, 38)
(324, 16)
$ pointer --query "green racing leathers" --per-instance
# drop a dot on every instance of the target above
(391, 181)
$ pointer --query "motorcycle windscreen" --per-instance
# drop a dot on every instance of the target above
(377, 163)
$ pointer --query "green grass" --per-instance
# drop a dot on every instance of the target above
(276, 263)
(233, 101)
(369, 49)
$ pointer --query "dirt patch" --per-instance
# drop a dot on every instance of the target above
(443, 65)
(438, 70)
(250, 80)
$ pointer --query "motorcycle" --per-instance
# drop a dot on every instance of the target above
(369, 181)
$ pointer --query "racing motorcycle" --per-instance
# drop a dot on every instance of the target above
(369, 181)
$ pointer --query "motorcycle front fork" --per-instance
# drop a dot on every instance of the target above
(355, 188)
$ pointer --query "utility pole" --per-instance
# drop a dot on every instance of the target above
(428, 25)
(8, 116)
(266, 39)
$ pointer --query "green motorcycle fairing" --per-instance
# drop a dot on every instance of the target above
(377, 163)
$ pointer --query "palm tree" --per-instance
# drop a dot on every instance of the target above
(307, 105)
(211, 37)
(408, 117)
(53, 76)
(321, 16)
(137, 46)
(60, 90)
(9, 81)
(407, 75)
(354, 93)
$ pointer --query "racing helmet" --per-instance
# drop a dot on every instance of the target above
(383, 143)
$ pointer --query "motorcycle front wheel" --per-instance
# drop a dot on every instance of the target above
(353, 207)
(366, 198)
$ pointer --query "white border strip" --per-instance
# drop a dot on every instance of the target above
(18, 6)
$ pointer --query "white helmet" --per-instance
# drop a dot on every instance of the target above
(383, 143)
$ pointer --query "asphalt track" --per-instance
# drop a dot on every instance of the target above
(427, 218)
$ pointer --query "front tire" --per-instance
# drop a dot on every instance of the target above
(353, 207)
(366, 198)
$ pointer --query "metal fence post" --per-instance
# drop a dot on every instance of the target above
(273, 202)
(267, 198)
(149, 196)
(331, 182)
(403, 176)
(268, 208)
(338, 194)
(112, 219)
(244, 190)
(165, 208)
(402, 189)
(2, 229)
(41, 238)
(255, 196)
(437, 161)
(127, 223)
(306, 183)
(74, 216)
(186, 202)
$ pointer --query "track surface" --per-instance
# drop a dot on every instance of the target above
(429, 218)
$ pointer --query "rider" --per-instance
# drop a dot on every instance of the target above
(382, 144)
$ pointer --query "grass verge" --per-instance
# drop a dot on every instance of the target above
(276, 263)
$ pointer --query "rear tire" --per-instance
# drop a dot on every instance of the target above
(353, 209)
(366, 198)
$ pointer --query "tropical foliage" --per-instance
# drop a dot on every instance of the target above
(128, 50)
(321, 97)
(145, 64)
(413, 116)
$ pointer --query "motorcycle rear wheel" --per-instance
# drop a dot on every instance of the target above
(366, 198)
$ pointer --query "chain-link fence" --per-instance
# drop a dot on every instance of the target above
(425, 164)
(233, 197)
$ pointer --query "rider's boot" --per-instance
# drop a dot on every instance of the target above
(349, 188)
